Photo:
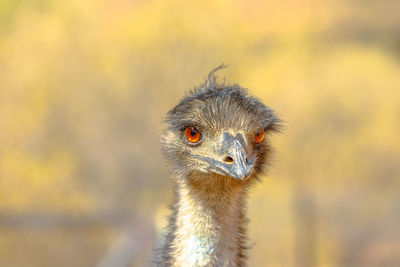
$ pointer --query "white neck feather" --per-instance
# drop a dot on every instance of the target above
(209, 223)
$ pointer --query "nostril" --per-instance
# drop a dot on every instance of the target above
(228, 159)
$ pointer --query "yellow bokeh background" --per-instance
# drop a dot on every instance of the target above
(84, 87)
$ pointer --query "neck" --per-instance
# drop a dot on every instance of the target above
(207, 227)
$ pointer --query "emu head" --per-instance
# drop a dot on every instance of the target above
(219, 130)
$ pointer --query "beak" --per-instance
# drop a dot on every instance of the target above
(235, 161)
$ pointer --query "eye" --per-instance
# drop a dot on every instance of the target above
(259, 137)
(192, 135)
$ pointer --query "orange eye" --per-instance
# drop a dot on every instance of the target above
(192, 134)
(259, 137)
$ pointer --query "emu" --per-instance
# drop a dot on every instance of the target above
(216, 140)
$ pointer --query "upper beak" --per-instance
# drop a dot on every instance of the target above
(235, 161)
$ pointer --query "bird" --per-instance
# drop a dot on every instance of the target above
(217, 140)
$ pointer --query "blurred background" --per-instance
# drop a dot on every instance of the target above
(84, 87)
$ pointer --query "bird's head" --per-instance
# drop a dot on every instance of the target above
(219, 129)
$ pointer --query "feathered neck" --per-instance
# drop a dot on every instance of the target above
(207, 225)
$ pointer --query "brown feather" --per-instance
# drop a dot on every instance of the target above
(207, 226)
